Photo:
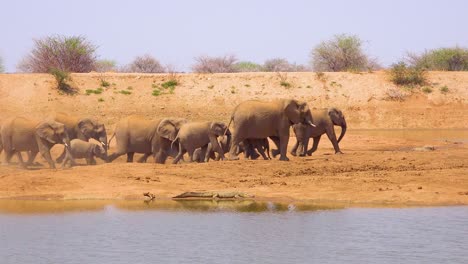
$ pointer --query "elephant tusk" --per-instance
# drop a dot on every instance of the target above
(311, 124)
(66, 145)
(103, 144)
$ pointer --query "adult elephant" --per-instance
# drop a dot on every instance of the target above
(195, 135)
(135, 134)
(81, 128)
(259, 119)
(21, 134)
(325, 120)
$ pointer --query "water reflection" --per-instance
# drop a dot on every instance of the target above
(251, 206)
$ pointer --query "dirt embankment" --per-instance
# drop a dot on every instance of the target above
(374, 169)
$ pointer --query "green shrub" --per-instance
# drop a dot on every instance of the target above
(105, 83)
(427, 89)
(169, 84)
(68, 54)
(156, 92)
(97, 91)
(247, 66)
(401, 74)
(62, 78)
(443, 59)
(444, 89)
(341, 53)
(285, 84)
(125, 92)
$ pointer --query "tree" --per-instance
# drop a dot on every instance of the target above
(442, 59)
(106, 66)
(206, 64)
(69, 54)
(145, 64)
(341, 53)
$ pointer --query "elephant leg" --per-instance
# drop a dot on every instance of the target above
(284, 147)
(31, 156)
(332, 137)
(233, 151)
(182, 151)
(46, 155)
(130, 156)
(276, 151)
(207, 153)
(143, 158)
(314, 146)
(115, 155)
(62, 156)
(20, 159)
(304, 146)
(8, 155)
(294, 149)
(261, 151)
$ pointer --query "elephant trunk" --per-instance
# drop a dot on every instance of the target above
(343, 131)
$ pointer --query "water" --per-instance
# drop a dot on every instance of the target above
(453, 135)
(244, 232)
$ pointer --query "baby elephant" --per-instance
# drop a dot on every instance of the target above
(81, 149)
(205, 153)
(195, 135)
(249, 146)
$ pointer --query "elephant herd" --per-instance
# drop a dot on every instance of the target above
(253, 122)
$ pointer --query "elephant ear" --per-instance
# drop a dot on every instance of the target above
(292, 111)
(86, 127)
(217, 128)
(167, 129)
(335, 115)
(45, 130)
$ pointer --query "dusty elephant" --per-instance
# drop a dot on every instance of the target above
(81, 128)
(249, 146)
(324, 120)
(195, 135)
(258, 119)
(135, 134)
(81, 149)
(207, 152)
(21, 134)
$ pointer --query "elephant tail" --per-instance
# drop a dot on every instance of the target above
(113, 135)
(227, 128)
(175, 139)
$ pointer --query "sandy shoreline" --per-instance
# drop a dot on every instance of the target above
(378, 167)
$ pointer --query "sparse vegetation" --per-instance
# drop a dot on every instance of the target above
(156, 92)
(395, 94)
(341, 53)
(308, 86)
(171, 84)
(247, 66)
(210, 86)
(106, 66)
(2, 69)
(283, 77)
(247, 85)
(426, 89)
(125, 92)
(101, 100)
(335, 84)
(67, 54)
(105, 83)
(444, 89)
(320, 76)
(206, 64)
(130, 88)
(285, 84)
(144, 64)
(96, 91)
(233, 89)
(62, 78)
(282, 65)
(401, 74)
(443, 59)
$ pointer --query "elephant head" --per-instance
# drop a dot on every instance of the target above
(169, 127)
(338, 119)
(219, 128)
(100, 152)
(298, 112)
(93, 129)
(53, 132)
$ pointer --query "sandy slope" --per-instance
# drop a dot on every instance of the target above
(374, 169)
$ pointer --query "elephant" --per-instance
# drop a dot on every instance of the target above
(134, 134)
(259, 119)
(21, 134)
(195, 135)
(324, 119)
(83, 149)
(200, 154)
(249, 146)
(81, 128)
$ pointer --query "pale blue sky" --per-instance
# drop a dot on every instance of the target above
(176, 31)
